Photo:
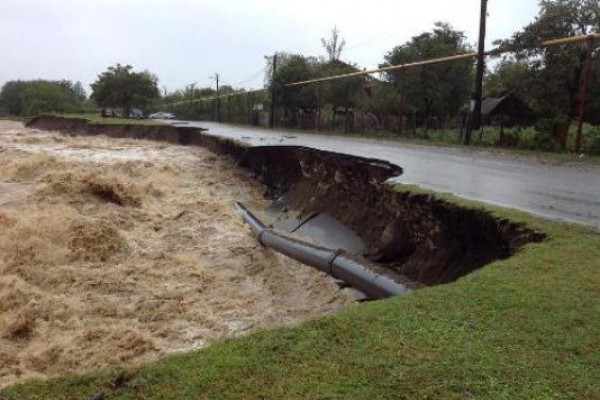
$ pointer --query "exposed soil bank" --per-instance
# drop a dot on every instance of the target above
(429, 240)
(77, 125)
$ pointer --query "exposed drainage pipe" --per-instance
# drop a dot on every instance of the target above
(337, 263)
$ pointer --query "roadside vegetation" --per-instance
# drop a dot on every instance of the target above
(534, 94)
(524, 327)
(119, 87)
(27, 98)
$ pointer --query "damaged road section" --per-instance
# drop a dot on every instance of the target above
(426, 239)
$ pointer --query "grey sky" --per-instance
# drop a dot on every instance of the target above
(185, 41)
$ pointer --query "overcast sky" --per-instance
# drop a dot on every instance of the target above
(185, 41)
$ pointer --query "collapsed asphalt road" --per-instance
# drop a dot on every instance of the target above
(558, 192)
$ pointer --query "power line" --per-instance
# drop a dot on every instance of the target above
(254, 76)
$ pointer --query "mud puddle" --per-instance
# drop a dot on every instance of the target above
(119, 251)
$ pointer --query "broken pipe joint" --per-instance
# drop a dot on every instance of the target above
(354, 271)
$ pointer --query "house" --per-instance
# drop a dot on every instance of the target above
(506, 111)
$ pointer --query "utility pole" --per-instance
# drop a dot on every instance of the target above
(272, 113)
(218, 99)
(475, 120)
(402, 101)
(192, 85)
(585, 88)
(319, 107)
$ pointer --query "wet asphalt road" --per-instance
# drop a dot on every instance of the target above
(558, 192)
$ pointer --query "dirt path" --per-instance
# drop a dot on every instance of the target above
(120, 251)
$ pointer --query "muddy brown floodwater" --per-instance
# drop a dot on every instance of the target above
(119, 251)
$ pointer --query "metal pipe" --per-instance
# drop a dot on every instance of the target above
(569, 40)
(386, 69)
(354, 271)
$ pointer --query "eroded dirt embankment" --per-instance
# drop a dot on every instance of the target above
(163, 133)
(429, 240)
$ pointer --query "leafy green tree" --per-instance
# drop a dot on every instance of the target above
(78, 91)
(554, 73)
(293, 68)
(383, 100)
(433, 90)
(11, 96)
(342, 92)
(509, 76)
(121, 87)
(46, 97)
(39, 96)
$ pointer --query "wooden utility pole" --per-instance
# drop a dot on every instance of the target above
(191, 106)
(319, 107)
(475, 120)
(218, 99)
(192, 85)
(402, 98)
(585, 88)
(273, 108)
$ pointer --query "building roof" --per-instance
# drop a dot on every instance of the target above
(509, 105)
(490, 104)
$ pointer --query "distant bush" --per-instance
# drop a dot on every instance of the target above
(39, 96)
(591, 141)
(547, 131)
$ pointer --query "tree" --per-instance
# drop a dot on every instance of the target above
(555, 72)
(342, 93)
(434, 90)
(293, 68)
(121, 87)
(509, 76)
(334, 46)
(78, 92)
(39, 96)
(11, 96)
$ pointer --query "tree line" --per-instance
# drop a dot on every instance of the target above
(547, 79)
(118, 87)
(39, 96)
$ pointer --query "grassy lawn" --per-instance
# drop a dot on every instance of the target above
(527, 327)
(97, 119)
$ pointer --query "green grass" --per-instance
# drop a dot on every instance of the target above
(97, 119)
(527, 327)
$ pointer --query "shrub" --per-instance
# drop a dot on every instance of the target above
(547, 133)
(591, 142)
